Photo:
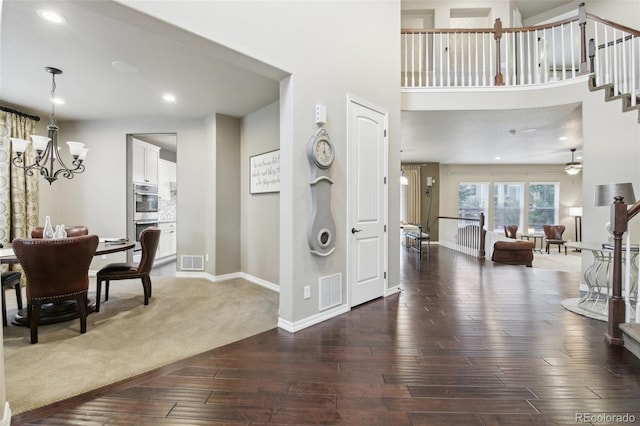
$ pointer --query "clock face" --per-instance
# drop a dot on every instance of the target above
(323, 153)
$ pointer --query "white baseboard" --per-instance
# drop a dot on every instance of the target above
(293, 327)
(392, 290)
(6, 419)
(261, 282)
(232, 276)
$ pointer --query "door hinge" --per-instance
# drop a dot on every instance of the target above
(385, 275)
(385, 133)
(384, 180)
(385, 228)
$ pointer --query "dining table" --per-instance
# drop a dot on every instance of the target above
(52, 313)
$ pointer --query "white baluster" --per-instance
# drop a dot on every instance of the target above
(573, 56)
(420, 59)
(553, 52)
(564, 62)
(441, 51)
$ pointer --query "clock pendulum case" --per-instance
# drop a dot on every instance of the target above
(322, 229)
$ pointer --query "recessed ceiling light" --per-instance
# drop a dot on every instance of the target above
(57, 101)
(169, 98)
(51, 16)
(123, 66)
(563, 138)
(497, 158)
(529, 130)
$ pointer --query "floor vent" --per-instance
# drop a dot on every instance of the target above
(330, 291)
(192, 263)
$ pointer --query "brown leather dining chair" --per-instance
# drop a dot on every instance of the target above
(553, 235)
(72, 231)
(56, 270)
(149, 239)
(10, 279)
(510, 231)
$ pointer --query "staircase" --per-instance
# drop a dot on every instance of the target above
(610, 94)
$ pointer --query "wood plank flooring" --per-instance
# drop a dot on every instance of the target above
(462, 344)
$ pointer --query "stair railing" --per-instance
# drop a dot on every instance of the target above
(542, 54)
(465, 235)
(614, 55)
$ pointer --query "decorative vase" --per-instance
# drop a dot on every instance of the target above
(47, 232)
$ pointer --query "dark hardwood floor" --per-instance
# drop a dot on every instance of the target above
(462, 344)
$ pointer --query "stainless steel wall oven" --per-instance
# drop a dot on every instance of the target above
(145, 202)
(145, 209)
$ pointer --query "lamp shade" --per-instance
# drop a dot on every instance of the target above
(19, 145)
(604, 194)
(575, 211)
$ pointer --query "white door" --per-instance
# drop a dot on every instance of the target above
(367, 143)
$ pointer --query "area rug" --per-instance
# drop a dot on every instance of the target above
(572, 262)
(572, 306)
(184, 317)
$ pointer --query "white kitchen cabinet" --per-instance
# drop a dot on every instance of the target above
(168, 244)
(167, 172)
(145, 162)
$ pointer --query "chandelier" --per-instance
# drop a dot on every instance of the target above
(573, 167)
(47, 155)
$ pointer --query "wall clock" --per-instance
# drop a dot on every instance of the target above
(322, 229)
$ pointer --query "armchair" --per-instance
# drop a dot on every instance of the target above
(510, 231)
(553, 235)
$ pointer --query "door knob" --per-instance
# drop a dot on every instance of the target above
(354, 230)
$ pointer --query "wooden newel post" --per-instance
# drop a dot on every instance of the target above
(481, 253)
(616, 302)
(582, 23)
(497, 35)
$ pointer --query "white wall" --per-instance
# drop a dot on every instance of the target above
(260, 212)
(442, 9)
(331, 49)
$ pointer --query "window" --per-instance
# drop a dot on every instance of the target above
(507, 205)
(473, 199)
(543, 205)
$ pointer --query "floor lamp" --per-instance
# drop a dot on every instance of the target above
(576, 213)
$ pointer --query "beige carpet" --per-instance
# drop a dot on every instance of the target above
(184, 317)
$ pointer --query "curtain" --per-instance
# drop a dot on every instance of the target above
(414, 199)
(19, 193)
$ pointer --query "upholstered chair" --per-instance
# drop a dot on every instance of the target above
(510, 231)
(56, 270)
(149, 239)
(553, 235)
(10, 279)
(72, 231)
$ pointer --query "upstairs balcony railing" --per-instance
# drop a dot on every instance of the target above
(543, 54)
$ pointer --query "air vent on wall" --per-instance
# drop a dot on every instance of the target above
(192, 263)
(330, 291)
